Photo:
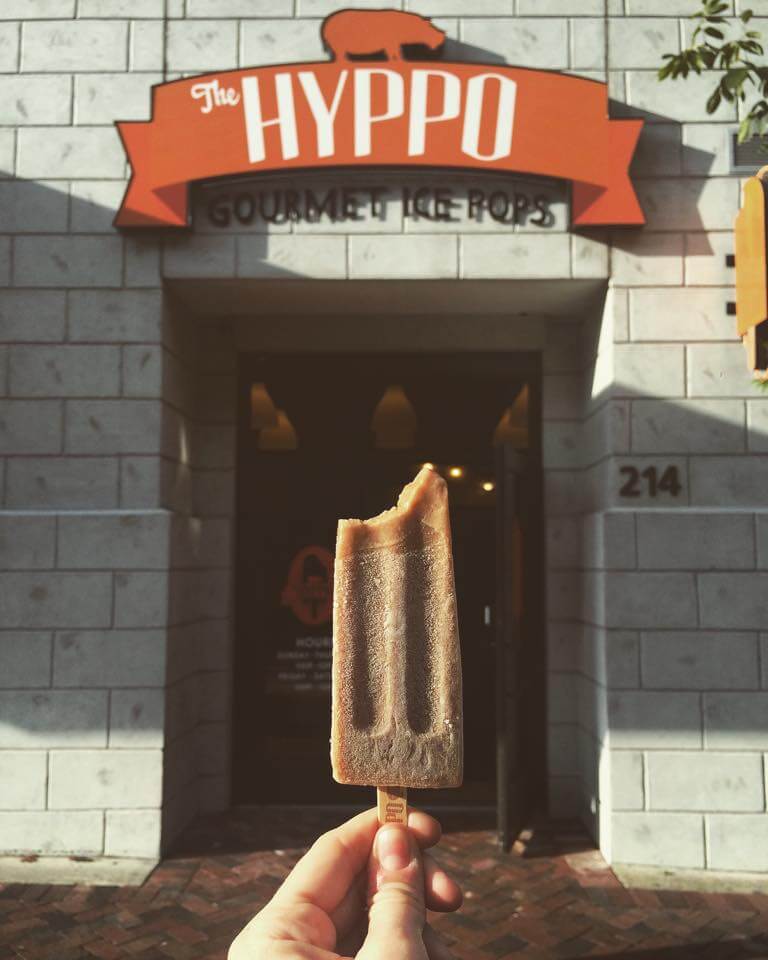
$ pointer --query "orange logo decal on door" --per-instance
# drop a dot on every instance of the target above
(308, 591)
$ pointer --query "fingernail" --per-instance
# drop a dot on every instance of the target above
(394, 848)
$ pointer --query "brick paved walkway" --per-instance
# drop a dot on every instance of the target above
(557, 901)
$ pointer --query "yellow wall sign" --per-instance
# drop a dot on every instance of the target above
(752, 269)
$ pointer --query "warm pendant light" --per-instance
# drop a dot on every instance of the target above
(263, 410)
(512, 428)
(280, 437)
(394, 420)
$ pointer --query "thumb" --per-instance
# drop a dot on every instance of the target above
(396, 915)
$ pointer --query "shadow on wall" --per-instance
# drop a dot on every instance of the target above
(449, 51)
(468, 52)
(670, 178)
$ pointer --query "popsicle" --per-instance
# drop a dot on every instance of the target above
(397, 713)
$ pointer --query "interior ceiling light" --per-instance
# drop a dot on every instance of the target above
(456, 472)
(280, 437)
(489, 486)
(512, 428)
(394, 420)
(263, 410)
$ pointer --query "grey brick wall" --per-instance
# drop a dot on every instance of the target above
(200, 409)
(116, 439)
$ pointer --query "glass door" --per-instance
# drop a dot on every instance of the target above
(349, 461)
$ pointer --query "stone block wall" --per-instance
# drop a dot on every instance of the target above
(683, 601)
(84, 612)
(687, 706)
(116, 438)
(199, 422)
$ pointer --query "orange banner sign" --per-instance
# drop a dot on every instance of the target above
(311, 116)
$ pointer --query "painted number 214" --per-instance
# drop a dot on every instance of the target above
(648, 480)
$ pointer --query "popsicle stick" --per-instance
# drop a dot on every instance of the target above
(392, 803)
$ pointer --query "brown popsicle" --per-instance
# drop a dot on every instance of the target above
(397, 713)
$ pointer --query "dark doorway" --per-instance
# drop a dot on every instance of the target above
(338, 453)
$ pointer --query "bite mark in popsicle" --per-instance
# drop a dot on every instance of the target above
(397, 714)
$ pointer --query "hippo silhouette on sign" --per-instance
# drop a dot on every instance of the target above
(363, 34)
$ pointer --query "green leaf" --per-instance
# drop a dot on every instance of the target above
(735, 79)
(752, 46)
(745, 130)
(755, 123)
(690, 61)
(746, 16)
(714, 101)
(717, 34)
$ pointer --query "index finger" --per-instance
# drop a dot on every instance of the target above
(329, 868)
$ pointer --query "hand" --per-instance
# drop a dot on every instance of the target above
(319, 913)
